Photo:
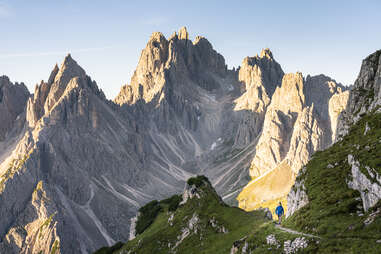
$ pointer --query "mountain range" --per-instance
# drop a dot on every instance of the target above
(334, 205)
(75, 167)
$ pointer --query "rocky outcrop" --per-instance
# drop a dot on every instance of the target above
(299, 120)
(238, 244)
(293, 126)
(190, 191)
(35, 230)
(337, 104)
(365, 95)
(192, 227)
(260, 75)
(294, 246)
(13, 98)
(297, 197)
(280, 117)
(370, 189)
(177, 60)
(46, 95)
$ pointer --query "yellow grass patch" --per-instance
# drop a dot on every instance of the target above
(269, 190)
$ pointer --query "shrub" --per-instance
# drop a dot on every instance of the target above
(198, 181)
(109, 250)
(147, 215)
(173, 202)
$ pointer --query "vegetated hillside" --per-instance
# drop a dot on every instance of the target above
(337, 195)
(202, 223)
(334, 214)
(335, 210)
(335, 201)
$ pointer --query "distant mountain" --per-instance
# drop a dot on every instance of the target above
(75, 167)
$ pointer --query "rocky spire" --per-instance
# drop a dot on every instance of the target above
(183, 33)
(266, 52)
(48, 94)
(175, 58)
(53, 74)
(260, 75)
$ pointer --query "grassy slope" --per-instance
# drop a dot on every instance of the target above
(333, 207)
(331, 212)
(269, 190)
(156, 238)
(253, 225)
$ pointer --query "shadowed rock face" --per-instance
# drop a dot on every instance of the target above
(365, 95)
(13, 99)
(80, 166)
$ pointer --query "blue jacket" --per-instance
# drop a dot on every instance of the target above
(279, 210)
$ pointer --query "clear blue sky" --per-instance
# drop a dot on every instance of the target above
(106, 37)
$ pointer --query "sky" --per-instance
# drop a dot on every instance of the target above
(106, 37)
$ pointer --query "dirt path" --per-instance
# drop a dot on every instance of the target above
(295, 232)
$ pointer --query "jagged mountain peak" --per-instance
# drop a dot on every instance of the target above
(4, 80)
(165, 61)
(157, 37)
(62, 79)
(266, 52)
(69, 69)
(183, 33)
(53, 74)
(261, 71)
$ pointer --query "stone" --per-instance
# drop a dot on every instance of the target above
(183, 33)
(365, 94)
(370, 191)
(13, 98)
(297, 198)
(295, 246)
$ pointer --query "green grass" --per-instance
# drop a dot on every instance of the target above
(161, 237)
(332, 211)
(172, 202)
(157, 237)
(333, 206)
(109, 250)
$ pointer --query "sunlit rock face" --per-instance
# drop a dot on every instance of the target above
(300, 119)
(79, 166)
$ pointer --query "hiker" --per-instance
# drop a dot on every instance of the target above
(279, 212)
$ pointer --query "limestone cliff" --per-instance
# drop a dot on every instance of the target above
(13, 99)
(79, 166)
(365, 94)
(356, 138)
(300, 119)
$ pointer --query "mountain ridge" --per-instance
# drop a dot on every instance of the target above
(184, 113)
